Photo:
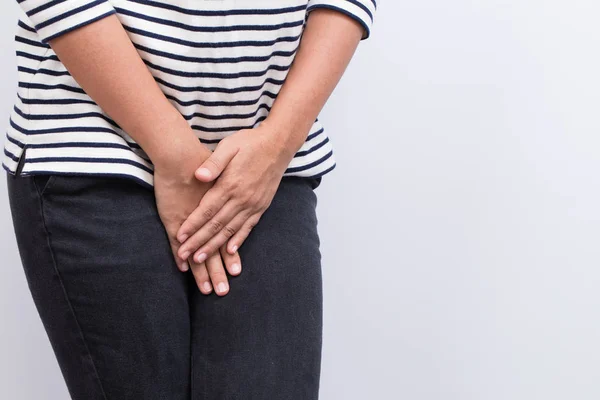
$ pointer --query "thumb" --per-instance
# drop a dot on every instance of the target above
(214, 165)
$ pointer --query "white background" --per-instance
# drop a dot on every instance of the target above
(460, 230)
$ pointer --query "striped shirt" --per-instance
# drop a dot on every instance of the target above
(221, 63)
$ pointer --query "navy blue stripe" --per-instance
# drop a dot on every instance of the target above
(313, 135)
(181, 102)
(54, 101)
(312, 149)
(69, 13)
(320, 174)
(43, 7)
(89, 21)
(246, 74)
(216, 89)
(214, 29)
(225, 129)
(36, 57)
(60, 130)
(11, 155)
(222, 103)
(310, 165)
(223, 60)
(38, 117)
(110, 121)
(43, 71)
(227, 116)
(70, 144)
(69, 129)
(15, 141)
(209, 13)
(212, 45)
(26, 27)
(30, 56)
(362, 7)
(94, 114)
(31, 42)
(41, 86)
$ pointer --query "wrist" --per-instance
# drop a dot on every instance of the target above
(184, 152)
(172, 144)
(287, 138)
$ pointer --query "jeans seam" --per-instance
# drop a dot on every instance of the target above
(191, 360)
(64, 290)
(205, 388)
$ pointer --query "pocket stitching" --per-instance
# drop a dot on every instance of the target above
(48, 183)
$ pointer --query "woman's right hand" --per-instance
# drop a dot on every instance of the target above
(178, 193)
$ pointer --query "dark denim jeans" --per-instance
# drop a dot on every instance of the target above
(125, 323)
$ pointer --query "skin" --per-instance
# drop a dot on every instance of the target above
(247, 166)
(209, 202)
(104, 62)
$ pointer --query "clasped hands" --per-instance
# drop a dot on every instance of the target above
(209, 212)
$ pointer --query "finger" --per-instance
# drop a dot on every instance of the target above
(223, 221)
(220, 238)
(236, 241)
(181, 263)
(218, 277)
(201, 277)
(210, 205)
(214, 165)
(233, 264)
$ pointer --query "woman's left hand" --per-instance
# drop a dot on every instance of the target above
(249, 165)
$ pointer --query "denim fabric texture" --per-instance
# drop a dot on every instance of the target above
(125, 323)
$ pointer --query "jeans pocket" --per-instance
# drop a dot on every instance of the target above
(42, 182)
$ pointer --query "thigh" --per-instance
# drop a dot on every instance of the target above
(100, 271)
(263, 340)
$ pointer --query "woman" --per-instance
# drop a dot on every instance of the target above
(155, 147)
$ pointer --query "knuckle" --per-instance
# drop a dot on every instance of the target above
(218, 275)
(215, 226)
(228, 231)
(251, 224)
(232, 185)
(256, 201)
(247, 200)
(214, 162)
(208, 213)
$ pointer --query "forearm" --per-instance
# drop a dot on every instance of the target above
(102, 59)
(328, 43)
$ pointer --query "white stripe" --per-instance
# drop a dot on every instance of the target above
(205, 105)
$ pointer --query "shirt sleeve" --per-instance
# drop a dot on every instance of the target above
(53, 18)
(361, 10)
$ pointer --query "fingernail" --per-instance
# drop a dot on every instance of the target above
(184, 266)
(221, 287)
(204, 172)
(207, 286)
(185, 255)
(182, 238)
(201, 257)
(235, 268)
(234, 248)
